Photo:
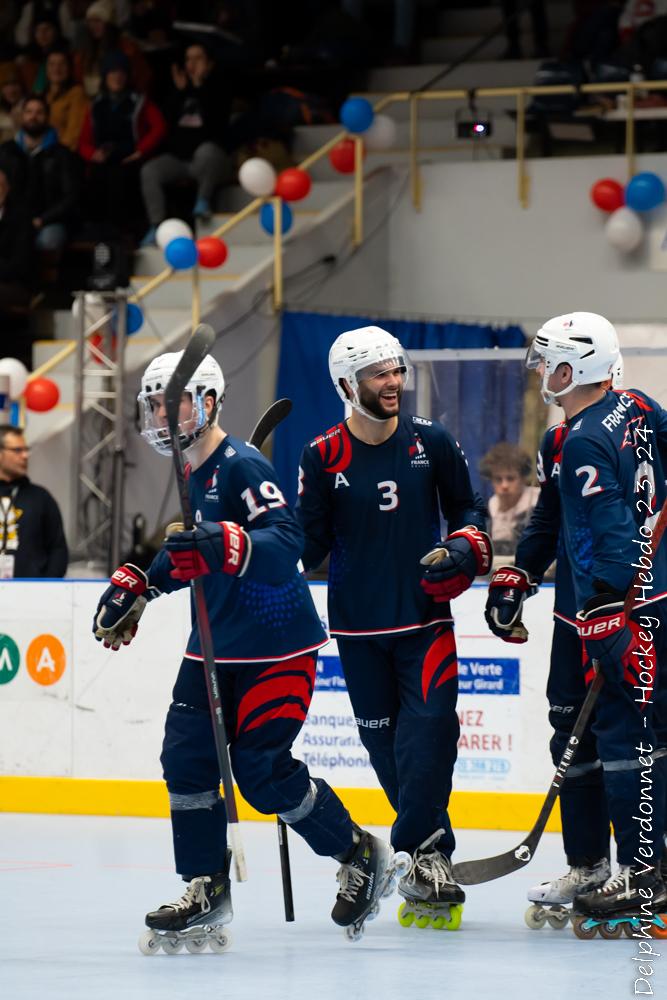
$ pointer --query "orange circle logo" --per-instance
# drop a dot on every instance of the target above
(45, 660)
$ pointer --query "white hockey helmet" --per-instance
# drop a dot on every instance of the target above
(585, 341)
(619, 373)
(363, 354)
(193, 421)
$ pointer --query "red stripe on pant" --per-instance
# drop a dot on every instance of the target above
(441, 649)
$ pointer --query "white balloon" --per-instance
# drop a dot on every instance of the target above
(624, 229)
(170, 230)
(18, 375)
(94, 308)
(257, 177)
(381, 134)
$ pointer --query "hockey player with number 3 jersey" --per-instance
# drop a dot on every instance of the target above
(371, 494)
(266, 632)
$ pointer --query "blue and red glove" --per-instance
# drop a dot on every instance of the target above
(121, 606)
(453, 564)
(607, 636)
(211, 547)
(508, 589)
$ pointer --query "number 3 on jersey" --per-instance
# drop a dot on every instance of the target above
(388, 494)
(269, 492)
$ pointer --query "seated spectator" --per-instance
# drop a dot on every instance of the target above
(121, 130)
(32, 63)
(15, 270)
(63, 12)
(101, 37)
(44, 175)
(197, 113)
(66, 99)
(508, 467)
(11, 100)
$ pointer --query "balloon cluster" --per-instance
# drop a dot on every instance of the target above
(41, 394)
(182, 251)
(260, 180)
(624, 228)
(358, 117)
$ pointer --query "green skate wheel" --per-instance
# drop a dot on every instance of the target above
(405, 916)
(581, 930)
(453, 922)
(438, 923)
(422, 922)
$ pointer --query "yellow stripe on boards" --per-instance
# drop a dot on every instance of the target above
(98, 797)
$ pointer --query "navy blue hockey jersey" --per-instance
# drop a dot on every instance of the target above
(612, 485)
(268, 613)
(376, 509)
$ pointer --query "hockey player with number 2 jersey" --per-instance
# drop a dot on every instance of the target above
(371, 494)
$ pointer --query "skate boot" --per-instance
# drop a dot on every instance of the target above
(632, 901)
(549, 899)
(365, 876)
(195, 920)
(432, 897)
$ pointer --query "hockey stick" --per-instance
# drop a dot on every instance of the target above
(488, 869)
(196, 350)
(265, 426)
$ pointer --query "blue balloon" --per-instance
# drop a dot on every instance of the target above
(134, 319)
(266, 218)
(644, 192)
(181, 253)
(357, 114)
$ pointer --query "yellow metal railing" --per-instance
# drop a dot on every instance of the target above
(414, 99)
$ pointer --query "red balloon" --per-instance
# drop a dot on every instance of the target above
(97, 340)
(211, 252)
(608, 194)
(41, 394)
(341, 156)
(293, 184)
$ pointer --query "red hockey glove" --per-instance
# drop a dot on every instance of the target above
(508, 589)
(607, 635)
(211, 547)
(121, 606)
(453, 565)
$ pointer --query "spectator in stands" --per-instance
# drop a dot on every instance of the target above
(33, 543)
(15, 269)
(538, 15)
(121, 130)
(197, 112)
(63, 12)
(508, 467)
(66, 99)
(32, 62)
(43, 174)
(11, 101)
(101, 37)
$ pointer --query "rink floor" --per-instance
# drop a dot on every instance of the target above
(74, 891)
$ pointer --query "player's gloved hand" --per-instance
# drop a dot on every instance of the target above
(211, 547)
(607, 635)
(453, 565)
(508, 589)
(121, 606)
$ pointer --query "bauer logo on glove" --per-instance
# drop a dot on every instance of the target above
(453, 565)
(121, 606)
(211, 547)
(508, 589)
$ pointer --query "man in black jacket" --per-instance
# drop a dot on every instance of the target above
(32, 540)
(44, 175)
(197, 112)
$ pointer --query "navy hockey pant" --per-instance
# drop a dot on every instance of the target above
(264, 706)
(403, 691)
(629, 733)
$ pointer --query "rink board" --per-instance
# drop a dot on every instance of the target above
(81, 727)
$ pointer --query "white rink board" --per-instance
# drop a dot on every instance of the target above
(103, 718)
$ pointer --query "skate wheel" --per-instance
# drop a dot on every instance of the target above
(629, 927)
(558, 919)
(171, 945)
(220, 942)
(405, 916)
(402, 863)
(535, 917)
(149, 943)
(195, 945)
(583, 929)
(389, 888)
(438, 923)
(422, 922)
(354, 933)
(373, 912)
(660, 930)
(453, 921)
(611, 930)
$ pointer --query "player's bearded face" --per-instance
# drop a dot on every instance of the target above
(381, 395)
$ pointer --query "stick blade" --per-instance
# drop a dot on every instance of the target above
(270, 420)
(196, 349)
